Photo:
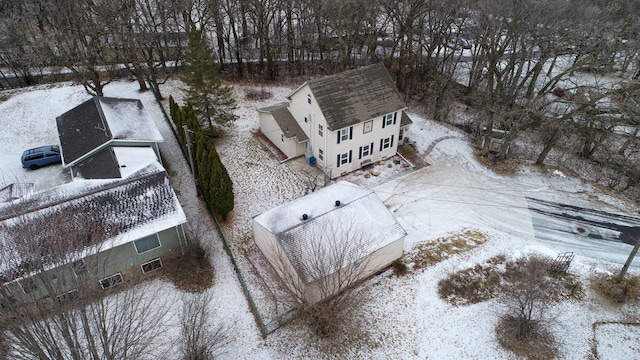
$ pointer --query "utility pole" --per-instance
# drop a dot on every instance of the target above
(633, 253)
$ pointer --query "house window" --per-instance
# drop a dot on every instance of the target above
(386, 143)
(68, 296)
(28, 285)
(344, 158)
(389, 119)
(365, 150)
(151, 265)
(147, 243)
(110, 281)
(345, 134)
(306, 120)
(320, 154)
(368, 126)
(320, 129)
(309, 98)
(79, 267)
(401, 134)
(282, 137)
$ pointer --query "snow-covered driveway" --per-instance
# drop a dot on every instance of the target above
(457, 192)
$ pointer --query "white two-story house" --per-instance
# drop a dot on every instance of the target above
(340, 122)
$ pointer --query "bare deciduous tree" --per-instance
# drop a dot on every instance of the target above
(320, 269)
(200, 340)
(56, 301)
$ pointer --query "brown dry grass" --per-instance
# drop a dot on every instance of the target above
(191, 272)
(494, 277)
(429, 253)
(627, 290)
(539, 346)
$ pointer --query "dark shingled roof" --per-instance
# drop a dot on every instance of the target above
(356, 96)
(98, 121)
(81, 130)
(286, 121)
(405, 119)
(102, 165)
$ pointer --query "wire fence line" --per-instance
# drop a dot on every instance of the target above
(252, 305)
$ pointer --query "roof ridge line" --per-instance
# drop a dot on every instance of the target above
(98, 189)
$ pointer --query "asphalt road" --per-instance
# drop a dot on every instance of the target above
(588, 232)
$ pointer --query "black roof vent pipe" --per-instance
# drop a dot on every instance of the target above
(337, 202)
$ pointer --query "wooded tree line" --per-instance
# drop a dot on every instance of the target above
(503, 58)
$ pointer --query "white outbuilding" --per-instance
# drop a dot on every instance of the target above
(326, 241)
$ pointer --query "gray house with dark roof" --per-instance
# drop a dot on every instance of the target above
(103, 232)
(91, 131)
(340, 122)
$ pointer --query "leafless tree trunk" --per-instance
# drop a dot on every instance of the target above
(321, 271)
(199, 339)
(53, 304)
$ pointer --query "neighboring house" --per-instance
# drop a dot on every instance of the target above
(122, 216)
(136, 224)
(340, 122)
(91, 133)
(342, 231)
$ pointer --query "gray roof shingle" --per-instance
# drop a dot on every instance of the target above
(356, 96)
(124, 210)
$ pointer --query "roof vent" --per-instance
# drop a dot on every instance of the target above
(305, 216)
(337, 202)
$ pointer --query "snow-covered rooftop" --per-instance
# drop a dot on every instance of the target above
(342, 214)
(124, 210)
(127, 119)
(95, 123)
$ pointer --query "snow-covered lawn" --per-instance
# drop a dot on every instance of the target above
(403, 317)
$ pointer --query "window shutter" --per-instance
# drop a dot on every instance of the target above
(360, 156)
(395, 116)
(351, 133)
(338, 161)
(381, 140)
(350, 151)
(391, 141)
(384, 121)
(371, 149)
(338, 136)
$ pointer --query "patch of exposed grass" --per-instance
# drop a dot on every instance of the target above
(627, 290)
(496, 276)
(540, 345)
(429, 253)
(257, 94)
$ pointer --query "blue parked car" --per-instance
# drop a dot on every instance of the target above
(41, 156)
